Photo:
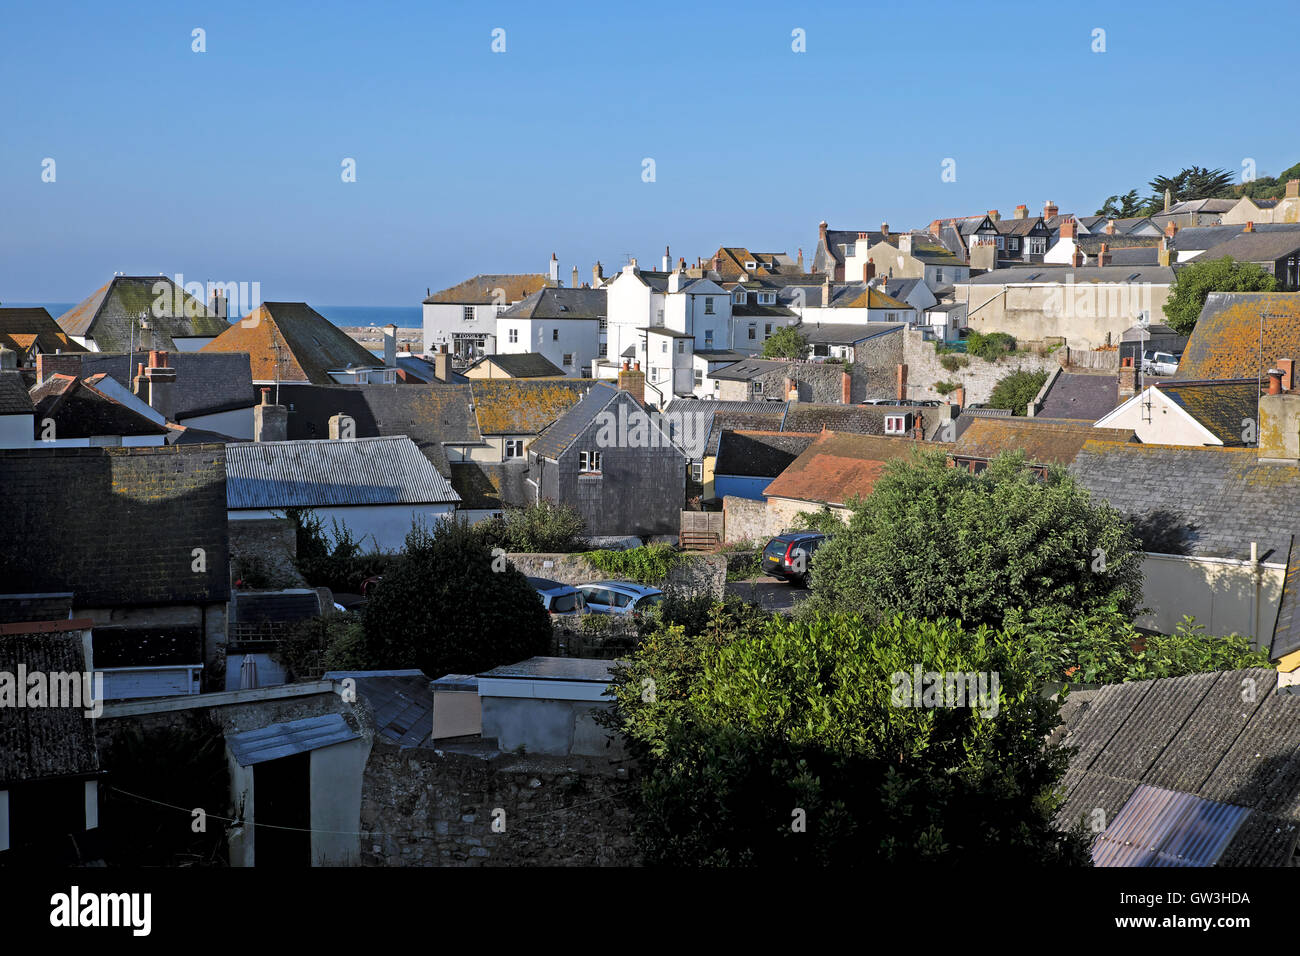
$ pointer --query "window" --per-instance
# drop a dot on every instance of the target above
(1013, 244)
(500, 308)
(660, 317)
(681, 346)
(555, 335)
(568, 360)
(751, 265)
(767, 330)
(697, 471)
(514, 448)
(708, 305)
(467, 314)
(604, 323)
(753, 330)
(740, 297)
(708, 338)
(766, 298)
(758, 388)
(938, 275)
(897, 424)
(1036, 246)
(699, 377)
(1001, 242)
(665, 346)
(589, 461)
(514, 335)
(604, 350)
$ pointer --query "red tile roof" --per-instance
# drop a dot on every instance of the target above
(839, 466)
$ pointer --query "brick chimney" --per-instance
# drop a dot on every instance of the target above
(1110, 227)
(821, 233)
(846, 388)
(936, 228)
(1293, 189)
(800, 260)
(62, 363)
(1127, 379)
(574, 281)
(140, 384)
(993, 214)
(597, 275)
(1250, 227)
(632, 381)
(442, 363)
(868, 270)
(884, 230)
(1076, 258)
(1171, 229)
(270, 422)
(1022, 211)
(1287, 367)
(959, 396)
(826, 292)
(162, 385)
(900, 377)
(1275, 381)
(1050, 209)
(1103, 255)
(1069, 229)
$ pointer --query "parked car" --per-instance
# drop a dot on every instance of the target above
(619, 597)
(1159, 363)
(789, 556)
(560, 600)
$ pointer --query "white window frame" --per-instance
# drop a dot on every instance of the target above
(589, 462)
(514, 448)
(739, 297)
(513, 336)
(697, 471)
(708, 305)
(766, 298)
(467, 313)
(896, 424)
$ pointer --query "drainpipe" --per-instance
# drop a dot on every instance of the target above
(1256, 573)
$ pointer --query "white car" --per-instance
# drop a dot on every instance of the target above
(1159, 363)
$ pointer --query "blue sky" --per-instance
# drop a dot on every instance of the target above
(225, 165)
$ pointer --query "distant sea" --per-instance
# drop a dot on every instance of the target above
(403, 316)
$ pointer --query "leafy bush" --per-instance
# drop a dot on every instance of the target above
(538, 528)
(333, 560)
(823, 519)
(990, 346)
(954, 361)
(944, 388)
(1194, 282)
(319, 644)
(1016, 391)
(649, 564)
(786, 342)
(445, 608)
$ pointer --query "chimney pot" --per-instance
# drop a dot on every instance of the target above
(1250, 227)
(1275, 381)
(1287, 367)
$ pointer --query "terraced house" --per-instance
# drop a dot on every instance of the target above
(463, 317)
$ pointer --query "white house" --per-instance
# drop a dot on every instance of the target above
(564, 325)
(377, 487)
(464, 317)
(1191, 413)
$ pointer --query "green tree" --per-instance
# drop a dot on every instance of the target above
(543, 527)
(797, 743)
(788, 343)
(451, 606)
(933, 541)
(1122, 207)
(1193, 182)
(1016, 391)
(1196, 280)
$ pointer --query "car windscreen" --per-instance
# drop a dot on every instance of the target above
(566, 603)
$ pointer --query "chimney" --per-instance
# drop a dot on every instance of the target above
(905, 243)
(1169, 199)
(1076, 258)
(1171, 229)
(442, 363)
(993, 214)
(1287, 367)
(791, 390)
(1250, 227)
(800, 262)
(555, 270)
(218, 304)
(884, 230)
(1293, 189)
(959, 396)
(1022, 211)
(1103, 255)
(1279, 422)
(597, 275)
(8, 359)
(342, 427)
(868, 270)
(826, 292)
(573, 283)
(1110, 227)
(162, 385)
(1165, 255)
(846, 388)
(390, 346)
(270, 422)
(713, 264)
(1127, 379)
(1069, 229)
(936, 228)
(1050, 209)
(632, 381)
(140, 384)
(901, 382)
(54, 364)
(667, 263)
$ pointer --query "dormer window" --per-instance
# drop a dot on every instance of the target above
(751, 265)
(740, 297)
(766, 298)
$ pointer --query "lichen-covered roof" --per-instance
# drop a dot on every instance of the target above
(514, 407)
(487, 289)
(21, 329)
(1226, 342)
(79, 410)
(1048, 443)
(837, 467)
(108, 314)
(522, 365)
(310, 346)
(1221, 407)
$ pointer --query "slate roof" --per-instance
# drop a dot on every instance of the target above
(1047, 443)
(310, 345)
(296, 604)
(108, 313)
(21, 329)
(50, 741)
(79, 410)
(555, 303)
(120, 524)
(482, 289)
(1091, 244)
(1207, 237)
(1225, 342)
(1081, 395)
(1043, 274)
(837, 467)
(14, 396)
(1286, 632)
(316, 474)
(1199, 735)
(564, 431)
(489, 486)
(206, 382)
(848, 333)
(858, 419)
(513, 407)
(748, 416)
(1219, 406)
(1260, 247)
(870, 298)
(759, 454)
(1196, 500)
(523, 365)
(401, 703)
(748, 369)
(690, 421)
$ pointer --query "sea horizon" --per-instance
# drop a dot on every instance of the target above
(343, 316)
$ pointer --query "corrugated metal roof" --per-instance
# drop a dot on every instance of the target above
(1160, 827)
(314, 474)
(295, 737)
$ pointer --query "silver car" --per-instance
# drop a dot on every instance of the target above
(619, 597)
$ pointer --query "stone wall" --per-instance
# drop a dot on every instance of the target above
(745, 520)
(924, 369)
(693, 573)
(265, 546)
(438, 808)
